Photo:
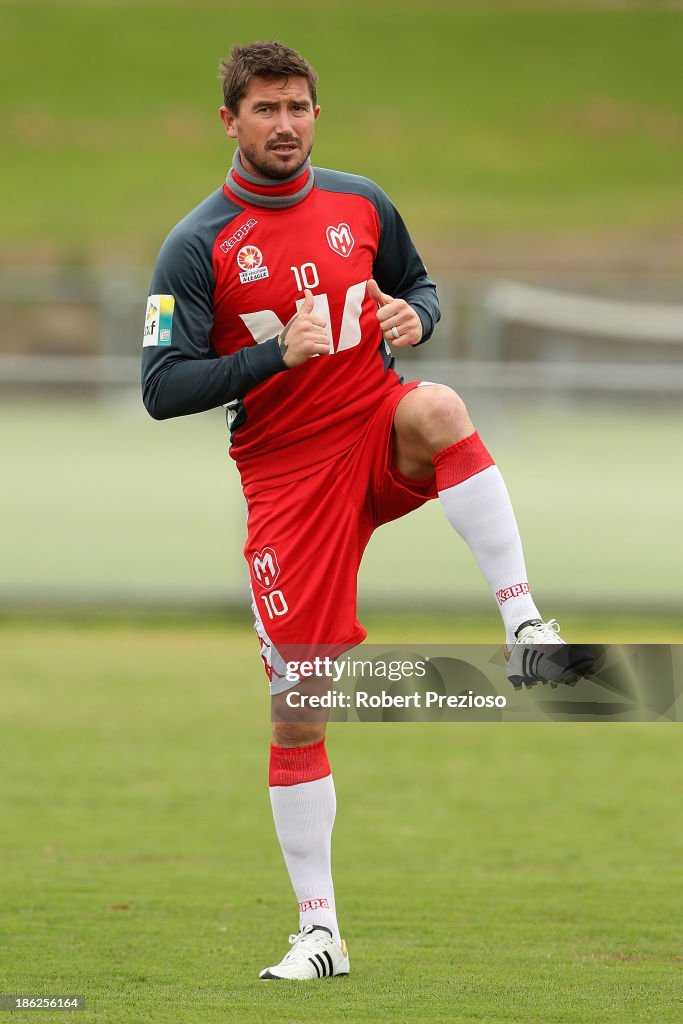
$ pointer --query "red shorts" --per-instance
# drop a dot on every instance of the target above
(306, 540)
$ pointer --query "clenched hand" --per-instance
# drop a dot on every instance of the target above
(399, 322)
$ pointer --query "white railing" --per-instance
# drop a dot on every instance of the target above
(648, 337)
(584, 314)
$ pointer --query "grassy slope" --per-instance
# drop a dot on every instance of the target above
(484, 873)
(475, 118)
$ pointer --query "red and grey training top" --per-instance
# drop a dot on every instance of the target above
(232, 274)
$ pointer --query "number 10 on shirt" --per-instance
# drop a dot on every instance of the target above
(306, 276)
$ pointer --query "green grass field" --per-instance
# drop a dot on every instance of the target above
(478, 118)
(484, 873)
(105, 497)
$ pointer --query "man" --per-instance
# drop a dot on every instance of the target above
(278, 296)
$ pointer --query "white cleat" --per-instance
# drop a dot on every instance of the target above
(314, 954)
(540, 655)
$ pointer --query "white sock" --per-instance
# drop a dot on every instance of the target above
(304, 816)
(479, 508)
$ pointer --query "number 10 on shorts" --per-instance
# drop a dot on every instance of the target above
(266, 569)
(275, 603)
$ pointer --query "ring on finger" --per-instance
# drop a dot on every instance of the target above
(395, 333)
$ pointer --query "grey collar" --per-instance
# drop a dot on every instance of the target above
(269, 202)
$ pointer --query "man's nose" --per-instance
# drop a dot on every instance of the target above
(284, 123)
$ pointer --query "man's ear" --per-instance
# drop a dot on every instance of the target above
(229, 122)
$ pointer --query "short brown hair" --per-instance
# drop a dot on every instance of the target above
(265, 59)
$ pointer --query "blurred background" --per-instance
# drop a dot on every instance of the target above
(536, 153)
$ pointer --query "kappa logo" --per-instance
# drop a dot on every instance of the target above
(242, 232)
(266, 567)
(317, 904)
(340, 239)
(516, 590)
(249, 260)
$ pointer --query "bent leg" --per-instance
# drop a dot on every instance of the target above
(428, 419)
(433, 431)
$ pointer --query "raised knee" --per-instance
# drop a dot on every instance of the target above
(444, 403)
(440, 408)
(427, 420)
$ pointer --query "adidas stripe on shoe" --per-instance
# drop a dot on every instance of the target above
(314, 954)
(540, 655)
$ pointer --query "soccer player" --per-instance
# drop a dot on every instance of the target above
(279, 297)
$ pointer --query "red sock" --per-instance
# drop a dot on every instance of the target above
(291, 765)
(460, 461)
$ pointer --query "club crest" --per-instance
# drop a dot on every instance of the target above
(265, 567)
(340, 239)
